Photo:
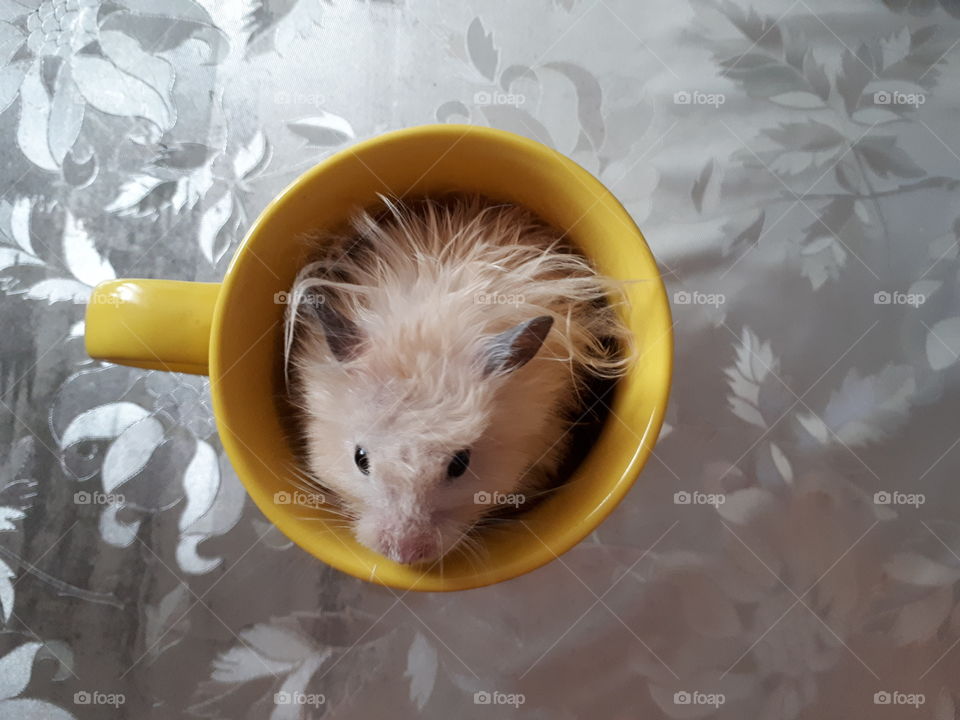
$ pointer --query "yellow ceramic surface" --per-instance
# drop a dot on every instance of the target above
(233, 331)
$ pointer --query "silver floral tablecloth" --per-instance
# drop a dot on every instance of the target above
(792, 551)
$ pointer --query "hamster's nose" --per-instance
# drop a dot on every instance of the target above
(412, 548)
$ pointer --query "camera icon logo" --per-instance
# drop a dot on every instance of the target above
(882, 97)
(82, 697)
(281, 698)
(882, 498)
(281, 298)
(482, 497)
(881, 297)
(682, 498)
(481, 697)
(82, 497)
(681, 97)
(682, 698)
(882, 698)
(681, 297)
(282, 497)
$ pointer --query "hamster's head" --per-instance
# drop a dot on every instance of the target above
(409, 432)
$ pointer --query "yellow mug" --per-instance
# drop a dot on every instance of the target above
(231, 330)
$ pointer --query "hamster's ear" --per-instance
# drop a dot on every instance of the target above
(342, 334)
(514, 348)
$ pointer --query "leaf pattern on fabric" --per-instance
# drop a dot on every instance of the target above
(100, 63)
(755, 366)
(78, 253)
(864, 409)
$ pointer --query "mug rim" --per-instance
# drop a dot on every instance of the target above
(579, 527)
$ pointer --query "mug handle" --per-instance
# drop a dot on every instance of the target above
(152, 324)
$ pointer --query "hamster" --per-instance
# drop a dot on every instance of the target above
(435, 356)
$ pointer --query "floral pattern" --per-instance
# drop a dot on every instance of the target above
(65, 55)
(790, 552)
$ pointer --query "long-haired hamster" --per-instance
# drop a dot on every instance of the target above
(435, 355)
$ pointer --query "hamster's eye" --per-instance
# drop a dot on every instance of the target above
(362, 460)
(458, 465)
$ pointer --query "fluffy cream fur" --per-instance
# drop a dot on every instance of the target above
(426, 286)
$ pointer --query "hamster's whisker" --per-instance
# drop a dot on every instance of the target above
(306, 477)
(541, 493)
(333, 523)
(472, 549)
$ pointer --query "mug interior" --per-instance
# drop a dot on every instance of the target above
(245, 362)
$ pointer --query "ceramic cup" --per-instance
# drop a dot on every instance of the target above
(230, 331)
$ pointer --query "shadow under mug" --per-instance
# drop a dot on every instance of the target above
(231, 330)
